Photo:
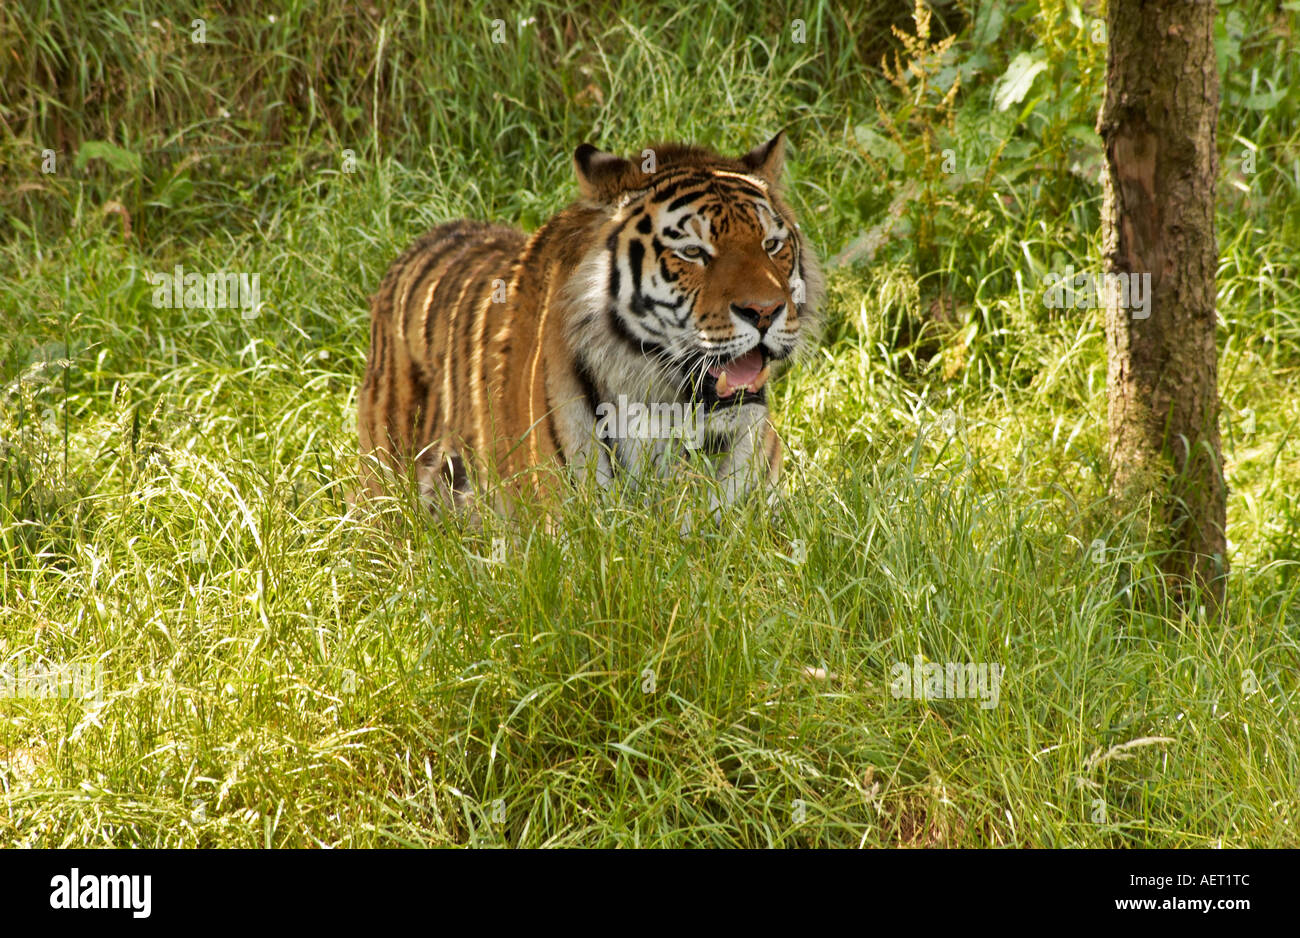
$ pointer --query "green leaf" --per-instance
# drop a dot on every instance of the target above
(1016, 80)
(988, 25)
(174, 191)
(122, 160)
(1084, 134)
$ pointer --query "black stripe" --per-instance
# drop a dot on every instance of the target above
(588, 382)
(431, 261)
(453, 473)
(686, 314)
(744, 187)
(728, 190)
(611, 242)
(437, 250)
(550, 427)
(619, 328)
(669, 181)
(687, 198)
(440, 288)
(380, 345)
(675, 304)
(635, 258)
(475, 299)
(688, 177)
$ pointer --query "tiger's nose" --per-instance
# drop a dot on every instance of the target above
(758, 315)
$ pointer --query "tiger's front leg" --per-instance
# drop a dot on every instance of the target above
(753, 460)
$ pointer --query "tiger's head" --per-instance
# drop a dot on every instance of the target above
(703, 282)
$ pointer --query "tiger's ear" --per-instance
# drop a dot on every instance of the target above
(598, 172)
(768, 159)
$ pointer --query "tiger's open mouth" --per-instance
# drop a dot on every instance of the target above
(737, 381)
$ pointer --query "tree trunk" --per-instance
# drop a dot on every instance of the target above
(1158, 125)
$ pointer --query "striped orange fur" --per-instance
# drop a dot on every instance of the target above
(677, 280)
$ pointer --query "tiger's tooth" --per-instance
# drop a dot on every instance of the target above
(723, 385)
(760, 379)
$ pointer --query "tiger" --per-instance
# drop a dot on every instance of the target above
(679, 282)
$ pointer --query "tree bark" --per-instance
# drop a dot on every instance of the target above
(1158, 125)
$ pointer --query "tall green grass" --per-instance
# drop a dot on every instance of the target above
(281, 670)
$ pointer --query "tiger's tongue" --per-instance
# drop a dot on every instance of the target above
(740, 371)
